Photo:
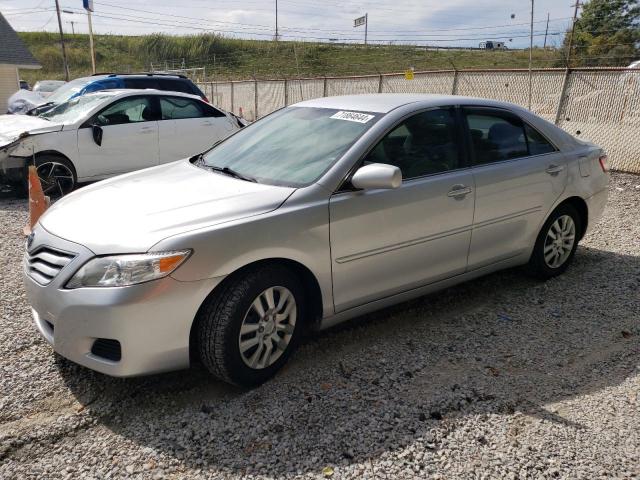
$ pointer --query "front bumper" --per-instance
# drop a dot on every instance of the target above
(151, 321)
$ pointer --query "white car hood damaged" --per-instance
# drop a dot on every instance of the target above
(133, 212)
(16, 127)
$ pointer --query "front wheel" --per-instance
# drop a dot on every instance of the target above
(248, 329)
(556, 243)
(57, 175)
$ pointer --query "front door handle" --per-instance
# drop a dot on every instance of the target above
(554, 169)
(459, 191)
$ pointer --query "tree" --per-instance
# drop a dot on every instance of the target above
(607, 33)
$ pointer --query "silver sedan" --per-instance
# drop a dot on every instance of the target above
(320, 212)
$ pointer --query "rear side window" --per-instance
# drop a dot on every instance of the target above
(176, 108)
(141, 83)
(175, 85)
(538, 145)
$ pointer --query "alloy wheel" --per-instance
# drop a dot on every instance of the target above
(559, 241)
(56, 178)
(267, 327)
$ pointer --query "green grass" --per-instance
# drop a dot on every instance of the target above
(226, 58)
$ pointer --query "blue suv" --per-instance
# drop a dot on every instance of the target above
(81, 86)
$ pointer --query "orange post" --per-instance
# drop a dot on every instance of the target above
(38, 203)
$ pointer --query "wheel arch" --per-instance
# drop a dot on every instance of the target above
(581, 207)
(56, 153)
(309, 280)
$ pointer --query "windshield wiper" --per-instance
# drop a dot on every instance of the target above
(226, 170)
(36, 110)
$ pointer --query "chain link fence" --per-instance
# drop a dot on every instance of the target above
(603, 105)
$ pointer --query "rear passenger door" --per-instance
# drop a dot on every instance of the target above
(189, 127)
(518, 175)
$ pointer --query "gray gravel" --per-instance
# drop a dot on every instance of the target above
(502, 377)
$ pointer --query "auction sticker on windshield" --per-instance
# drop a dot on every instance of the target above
(352, 116)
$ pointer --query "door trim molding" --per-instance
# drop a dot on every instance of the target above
(398, 246)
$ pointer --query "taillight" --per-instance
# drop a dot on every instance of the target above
(604, 163)
(205, 99)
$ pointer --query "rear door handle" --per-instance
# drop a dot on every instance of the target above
(459, 191)
(554, 169)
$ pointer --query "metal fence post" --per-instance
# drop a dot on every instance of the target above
(232, 110)
(380, 83)
(255, 99)
(324, 87)
(454, 87)
(286, 92)
(563, 94)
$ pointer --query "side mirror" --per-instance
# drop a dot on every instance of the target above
(96, 132)
(377, 175)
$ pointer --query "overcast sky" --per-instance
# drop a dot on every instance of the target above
(448, 22)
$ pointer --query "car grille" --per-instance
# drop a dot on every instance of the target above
(44, 263)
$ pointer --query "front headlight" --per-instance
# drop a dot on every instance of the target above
(123, 270)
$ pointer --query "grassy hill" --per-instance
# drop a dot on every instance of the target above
(225, 58)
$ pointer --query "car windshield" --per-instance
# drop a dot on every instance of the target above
(291, 147)
(68, 90)
(47, 86)
(75, 109)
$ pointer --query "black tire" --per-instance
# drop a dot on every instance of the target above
(538, 266)
(221, 317)
(57, 175)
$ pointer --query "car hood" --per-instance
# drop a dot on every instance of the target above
(15, 127)
(133, 212)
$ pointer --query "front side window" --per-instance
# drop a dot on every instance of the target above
(496, 136)
(127, 110)
(293, 146)
(423, 144)
(176, 108)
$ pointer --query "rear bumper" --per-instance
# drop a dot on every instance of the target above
(151, 321)
(595, 206)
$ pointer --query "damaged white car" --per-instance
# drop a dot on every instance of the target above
(108, 133)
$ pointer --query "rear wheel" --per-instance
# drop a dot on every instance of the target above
(556, 243)
(248, 329)
(56, 174)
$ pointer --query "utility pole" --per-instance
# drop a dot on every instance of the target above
(366, 26)
(531, 55)
(93, 51)
(546, 32)
(64, 52)
(276, 21)
(573, 29)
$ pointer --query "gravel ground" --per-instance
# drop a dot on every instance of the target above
(503, 377)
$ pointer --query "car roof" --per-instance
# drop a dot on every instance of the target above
(385, 102)
(126, 92)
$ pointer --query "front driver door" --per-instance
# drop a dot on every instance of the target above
(129, 137)
(385, 242)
